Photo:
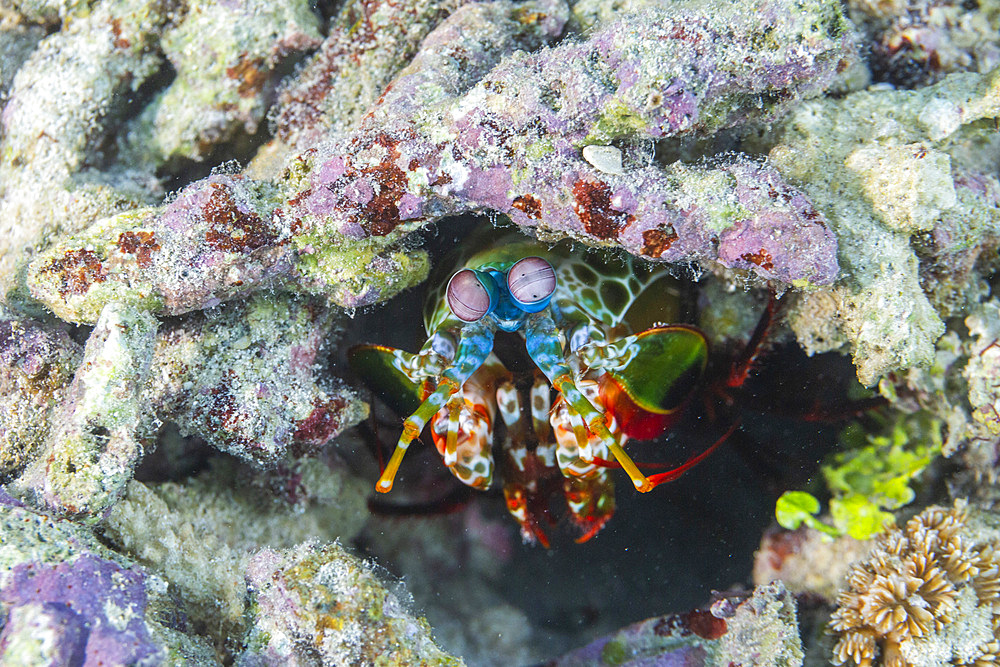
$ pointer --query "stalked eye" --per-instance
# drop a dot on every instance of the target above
(467, 296)
(531, 281)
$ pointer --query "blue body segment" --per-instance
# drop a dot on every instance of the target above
(474, 346)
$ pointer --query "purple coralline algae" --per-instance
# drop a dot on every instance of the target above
(215, 309)
(66, 599)
(69, 600)
(757, 629)
(319, 604)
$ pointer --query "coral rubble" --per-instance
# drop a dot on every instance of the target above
(879, 164)
(916, 42)
(442, 141)
(757, 629)
(36, 366)
(59, 110)
(245, 45)
(201, 535)
(807, 561)
(319, 601)
(512, 142)
(246, 379)
(739, 137)
(98, 432)
(369, 41)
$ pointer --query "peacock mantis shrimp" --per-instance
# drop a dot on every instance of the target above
(577, 314)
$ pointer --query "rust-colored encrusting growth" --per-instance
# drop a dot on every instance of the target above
(698, 622)
(231, 228)
(594, 208)
(77, 270)
(220, 410)
(140, 244)
(120, 41)
(657, 241)
(323, 422)
(381, 214)
(910, 589)
(529, 205)
(761, 258)
(251, 73)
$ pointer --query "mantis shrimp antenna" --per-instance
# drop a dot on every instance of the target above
(473, 348)
(545, 350)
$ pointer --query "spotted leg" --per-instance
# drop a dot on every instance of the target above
(473, 348)
(545, 349)
(521, 473)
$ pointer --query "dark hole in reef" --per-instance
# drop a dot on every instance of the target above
(662, 552)
(174, 458)
(698, 149)
(99, 433)
(104, 152)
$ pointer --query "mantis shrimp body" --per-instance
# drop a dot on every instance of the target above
(595, 384)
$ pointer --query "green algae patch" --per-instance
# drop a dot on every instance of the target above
(617, 120)
(349, 274)
(614, 653)
(869, 480)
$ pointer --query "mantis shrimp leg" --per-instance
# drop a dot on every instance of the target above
(473, 349)
(545, 350)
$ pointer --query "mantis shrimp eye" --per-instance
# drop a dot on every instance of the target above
(467, 297)
(531, 282)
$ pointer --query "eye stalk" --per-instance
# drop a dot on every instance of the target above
(471, 295)
(531, 282)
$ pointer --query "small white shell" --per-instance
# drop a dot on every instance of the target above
(604, 158)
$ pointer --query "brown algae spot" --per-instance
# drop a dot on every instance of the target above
(77, 270)
(594, 207)
(657, 241)
(140, 244)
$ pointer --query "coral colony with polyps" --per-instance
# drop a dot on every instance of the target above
(754, 242)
